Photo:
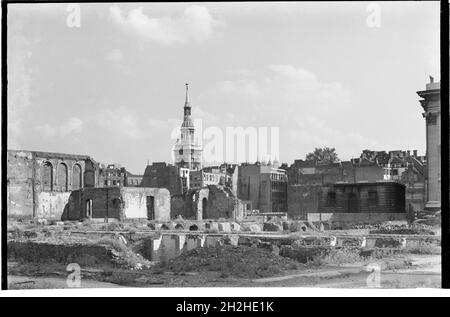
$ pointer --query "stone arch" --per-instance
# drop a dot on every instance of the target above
(193, 227)
(47, 176)
(76, 176)
(179, 226)
(62, 179)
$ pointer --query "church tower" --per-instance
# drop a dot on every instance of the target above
(187, 151)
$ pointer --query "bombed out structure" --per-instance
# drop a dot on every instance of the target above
(118, 203)
(39, 183)
(378, 197)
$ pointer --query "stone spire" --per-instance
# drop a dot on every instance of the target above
(186, 103)
(187, 122)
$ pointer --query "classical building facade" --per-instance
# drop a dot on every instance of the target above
(187, 151)
(431, 104)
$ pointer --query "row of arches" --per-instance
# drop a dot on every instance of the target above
(62, 177)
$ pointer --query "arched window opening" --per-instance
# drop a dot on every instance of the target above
(76, 177)
(47, 176)
(62, 180)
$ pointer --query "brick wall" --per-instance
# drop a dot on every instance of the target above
(119, 203)
(355, 198)
(302, 199)
(51, 205)
(30, 173)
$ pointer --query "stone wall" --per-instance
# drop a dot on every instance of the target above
(182, 205)
(51, 205)
(135, 203)
(358, 218)
(30, 173)
(118, 203)
(103, 202)
(302, 199)
(220, 203)
(382, 197)
(162, 175)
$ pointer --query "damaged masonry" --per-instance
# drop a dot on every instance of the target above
(118, 179)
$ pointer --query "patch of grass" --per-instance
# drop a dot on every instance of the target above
(125, 255)
(241, 261)
(116, 244)
(336, 257)
(424, 248)
(415, 228)
(113, 226)
(397, 264)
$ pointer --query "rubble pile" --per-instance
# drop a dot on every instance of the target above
(241, 261)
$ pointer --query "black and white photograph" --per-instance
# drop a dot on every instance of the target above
(222, 146)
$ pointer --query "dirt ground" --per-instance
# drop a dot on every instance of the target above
(424, 272)
(258, 263)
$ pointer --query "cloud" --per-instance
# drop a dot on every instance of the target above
(73, 126)
(19, 87)
(242, 86)
(304, 107)
(121, 120)
(196, 23)
(311, 132)
(282, 90)
(114, 55)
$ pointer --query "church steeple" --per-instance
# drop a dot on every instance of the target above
(187, 105)
(187, 151)
(187, 121)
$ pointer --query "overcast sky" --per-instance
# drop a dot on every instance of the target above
(113, 88)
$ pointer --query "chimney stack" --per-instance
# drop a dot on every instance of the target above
(415, 153)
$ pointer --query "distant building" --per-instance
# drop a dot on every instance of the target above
(187, 151)
(112, 175)
(306, 178)
(132, 180)
(207, 176)
(431, 104)
(378, 197)
(163, 175)
(263, 185)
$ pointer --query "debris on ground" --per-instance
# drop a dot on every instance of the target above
(241, 261)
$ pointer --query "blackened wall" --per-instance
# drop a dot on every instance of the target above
(383, 197)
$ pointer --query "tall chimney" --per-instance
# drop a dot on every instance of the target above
(415, 153)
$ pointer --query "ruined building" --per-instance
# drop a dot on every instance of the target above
(207, 176)
(39, 183)
(209, 202)
(431, 104)
(187, 151)
(308, 178)
(116, 175)
(118, 203)
(162, 175)
(264, 186)
(378, 197)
